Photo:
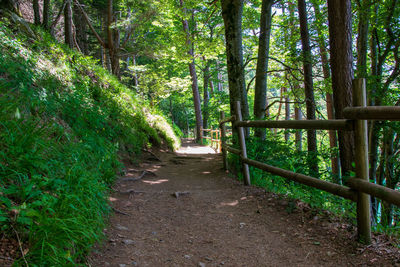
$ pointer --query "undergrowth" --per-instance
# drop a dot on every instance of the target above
(274, 150)
(63, 122)
(277, 152)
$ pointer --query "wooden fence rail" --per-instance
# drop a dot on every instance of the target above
(358, 189)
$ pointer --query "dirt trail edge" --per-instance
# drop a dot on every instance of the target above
(186, 211)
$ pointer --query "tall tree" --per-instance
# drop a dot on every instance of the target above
(308, 84)
(232, 11)
(80, 29)
(327, 75)
(340, 40)
(36, 12)
(193, 74)
(68, 33)
(46, 14)
(206, 94)
(260, 94)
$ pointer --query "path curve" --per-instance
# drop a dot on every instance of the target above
(216, 221)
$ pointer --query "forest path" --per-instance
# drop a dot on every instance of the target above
(218, 222)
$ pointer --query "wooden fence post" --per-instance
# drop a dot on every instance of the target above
(361, 162)
(223, 143)
(242, 143)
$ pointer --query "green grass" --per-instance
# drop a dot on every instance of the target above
(64, 122)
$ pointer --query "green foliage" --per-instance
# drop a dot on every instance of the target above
(63, 121)
(275, 151)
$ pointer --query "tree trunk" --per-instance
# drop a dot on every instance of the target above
(113, 41)
(232, 14)
(206, 95)
(340, 40)
(46, 14)
(211, 87)
(260, 94)
(329, 99)
(362, 39)
(308, 85)
(36, 12)
(299, 134)
(81, 30)
(68, 34)
(195, 87)
(287, 113)
(219, 77)
(391, 181)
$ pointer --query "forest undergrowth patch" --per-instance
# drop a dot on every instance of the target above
(277, 152)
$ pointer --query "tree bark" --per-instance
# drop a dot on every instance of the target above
(340, 40)
(299, 134)
(206, 95)
(68, 34)
(287, 113)
(232, 14)
(362, 39)
(260, 94)
(80, 29)
(36, 12)
(113, 41)
(329, 99)
(46, 14)
(308, 85)
(193, 75)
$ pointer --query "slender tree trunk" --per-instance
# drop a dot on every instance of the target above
(260, 94)
(113, 40)
(391, 181)
(329, 99)
(81, 29)
(299, 134)
(308, 85)
(68, 34)
(287, 113)
(195, 87)
(340, 39)
(232, 14)
(206, 96)
(219, 77)
(211, 87)
(36, 12)
(46, 14)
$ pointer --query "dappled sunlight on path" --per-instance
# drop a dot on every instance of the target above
(187, 211)
(191, 148)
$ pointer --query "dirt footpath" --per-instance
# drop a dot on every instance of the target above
(186, 211)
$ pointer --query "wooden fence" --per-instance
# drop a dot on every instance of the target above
(358, 189)
(214, 137)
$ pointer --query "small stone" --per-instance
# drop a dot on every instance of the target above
(222, 263)
(242, 224)
(187, 256)
(128, 241)
(107, 264)
(202, 264)
(134, 263)
(121, 228)
(154, 233)
(329, 253)
(207, 258)
(122, 265)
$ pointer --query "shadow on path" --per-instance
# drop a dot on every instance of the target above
(187, 211)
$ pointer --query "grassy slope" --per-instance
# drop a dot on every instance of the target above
(63, 121)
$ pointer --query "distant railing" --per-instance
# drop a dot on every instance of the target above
(358, 189)
(214, 137)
